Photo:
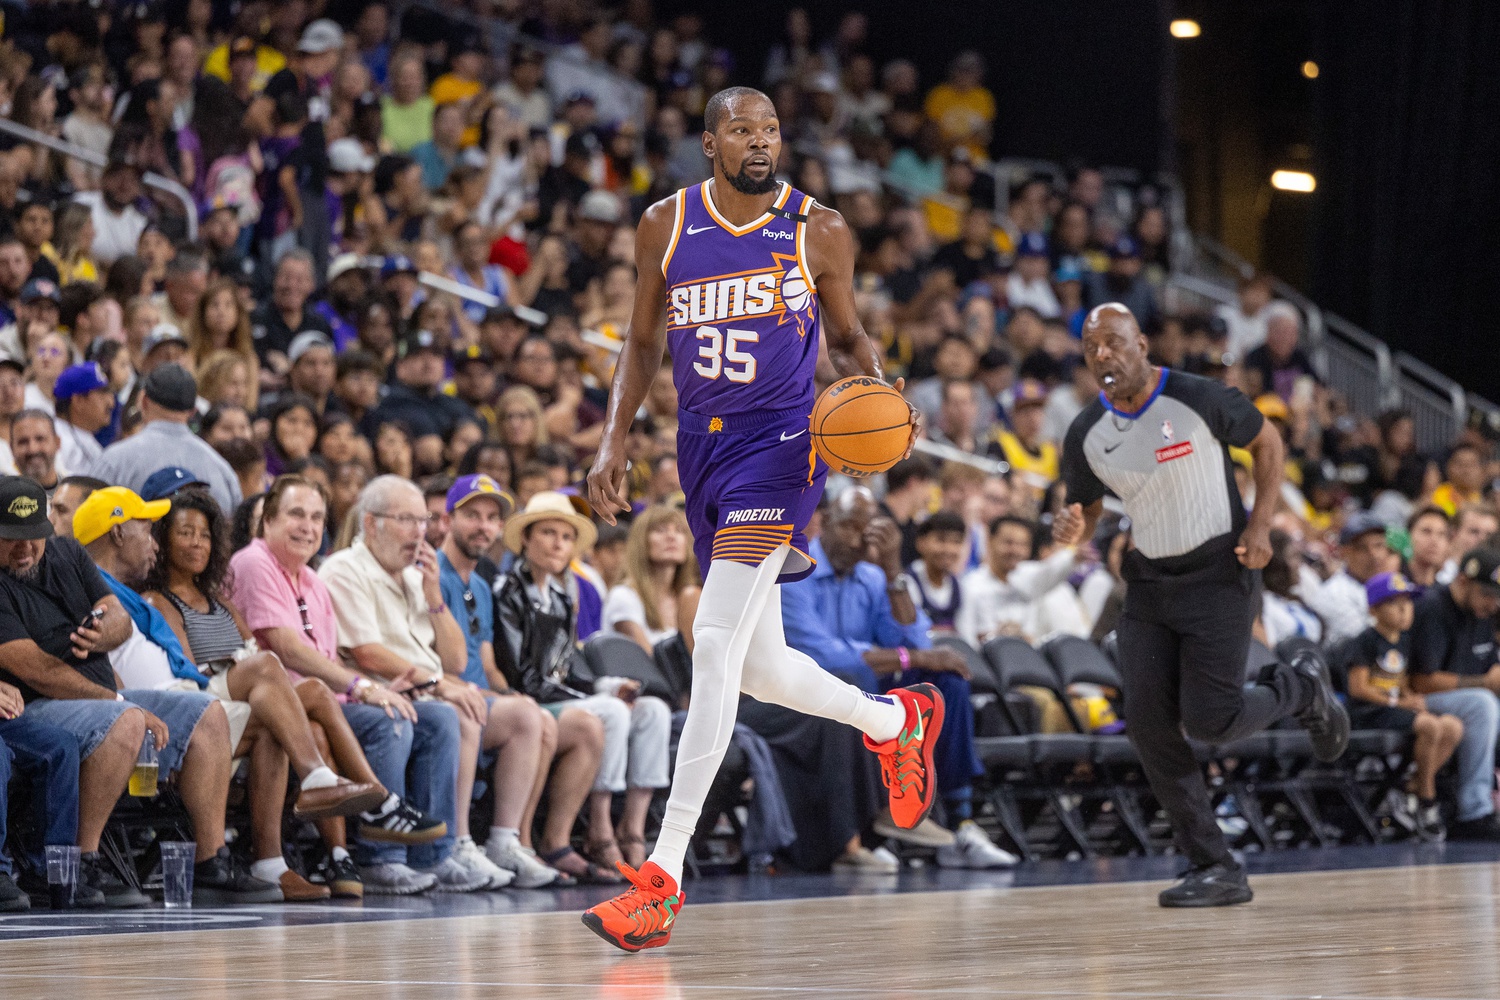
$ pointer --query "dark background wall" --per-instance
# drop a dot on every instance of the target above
(1401, 128)
(1407, 235)
(1072, 78)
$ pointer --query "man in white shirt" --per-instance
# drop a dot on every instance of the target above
(1340, 600)
(85, 405)
(1246, 320)
(1028, 284)
(117, 222)
(1006, 596)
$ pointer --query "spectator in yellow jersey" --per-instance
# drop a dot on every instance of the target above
(1465, 479)
(963, 107)
(1032, 457)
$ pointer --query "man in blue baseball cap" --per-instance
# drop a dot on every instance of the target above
(1124, 283)
(1028, 284)
(162, 483)
(85, 406)
(398, 277)
(479, 507)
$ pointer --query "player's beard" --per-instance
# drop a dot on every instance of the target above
(744, 183)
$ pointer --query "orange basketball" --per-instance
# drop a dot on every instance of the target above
(861, 426)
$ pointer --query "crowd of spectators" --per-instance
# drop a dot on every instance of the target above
(345, 423)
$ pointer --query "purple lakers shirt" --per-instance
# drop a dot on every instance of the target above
(742, 329)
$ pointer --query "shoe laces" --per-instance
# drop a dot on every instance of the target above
(642, 902)
(902, 768)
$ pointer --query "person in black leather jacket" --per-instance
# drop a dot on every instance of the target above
(536, 650)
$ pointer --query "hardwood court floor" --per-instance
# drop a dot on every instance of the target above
(1416, 933)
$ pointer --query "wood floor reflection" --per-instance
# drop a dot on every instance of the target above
(1388, 934)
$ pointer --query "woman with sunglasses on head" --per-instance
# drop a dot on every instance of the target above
(187, 587)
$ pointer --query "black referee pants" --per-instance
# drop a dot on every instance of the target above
(1183, 644)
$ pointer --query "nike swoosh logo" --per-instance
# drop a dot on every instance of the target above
(701, 229)
(1113, 447)
(788, 437)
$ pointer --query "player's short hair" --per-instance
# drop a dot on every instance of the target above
(716, 112)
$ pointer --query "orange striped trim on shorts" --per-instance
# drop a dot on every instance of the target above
(750, 544)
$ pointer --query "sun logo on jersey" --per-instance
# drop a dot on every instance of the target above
(715, 425)
(793, 293)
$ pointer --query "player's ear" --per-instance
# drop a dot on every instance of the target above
(709, 144)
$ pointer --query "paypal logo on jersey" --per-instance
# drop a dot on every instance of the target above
(773, 234)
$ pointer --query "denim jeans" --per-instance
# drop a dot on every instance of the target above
(48, 756)
(418, 763)
(1479, 711)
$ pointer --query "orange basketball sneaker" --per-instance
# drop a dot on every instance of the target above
(642, 916)
(906, 761)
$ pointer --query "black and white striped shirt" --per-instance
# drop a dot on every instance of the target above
(1169, 464)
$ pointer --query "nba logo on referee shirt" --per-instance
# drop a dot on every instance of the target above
(1166, 430)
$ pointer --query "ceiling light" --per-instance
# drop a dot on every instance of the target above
(1299, 181)
(1185, 29)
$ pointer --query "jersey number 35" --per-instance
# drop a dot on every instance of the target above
(721, 353)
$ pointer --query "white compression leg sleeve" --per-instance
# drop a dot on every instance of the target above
(734, 598)
(777, 674)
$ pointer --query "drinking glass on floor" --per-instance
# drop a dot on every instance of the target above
(177, 873)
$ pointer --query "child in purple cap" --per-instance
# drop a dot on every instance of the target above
(1381, 697)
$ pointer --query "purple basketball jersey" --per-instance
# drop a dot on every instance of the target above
(742, 318)
(742, 327)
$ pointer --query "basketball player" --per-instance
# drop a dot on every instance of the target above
(1159, 440)
(743, 266)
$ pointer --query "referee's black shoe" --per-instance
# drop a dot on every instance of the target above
(1325, 719)
(1222, 883)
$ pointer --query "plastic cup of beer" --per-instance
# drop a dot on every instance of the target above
(143, 775)
(177, 873)
(62, 874)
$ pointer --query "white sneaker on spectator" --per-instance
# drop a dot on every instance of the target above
(395, 880)
(455, 876)
(468, 854)
(864, 861)
(529, 871)
(972, 849)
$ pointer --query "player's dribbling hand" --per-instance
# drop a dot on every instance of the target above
(1254, 550)
(1067, 525)
(900, 386)
(607, 484)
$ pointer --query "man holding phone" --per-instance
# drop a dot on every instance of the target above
(395, 628)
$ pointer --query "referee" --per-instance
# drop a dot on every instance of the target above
(1159, 440)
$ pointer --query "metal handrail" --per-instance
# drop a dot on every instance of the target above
(151, 180)
(1420, 370)
(1314, 325)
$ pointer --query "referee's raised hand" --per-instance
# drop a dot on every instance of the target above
(1067, 526)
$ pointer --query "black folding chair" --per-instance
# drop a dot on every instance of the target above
(610, 654)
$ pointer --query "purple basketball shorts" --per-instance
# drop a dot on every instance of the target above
(752, 482)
